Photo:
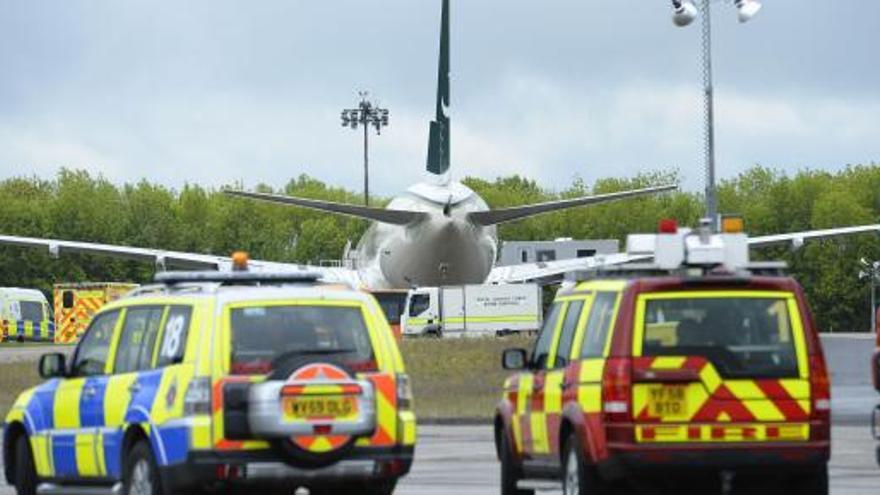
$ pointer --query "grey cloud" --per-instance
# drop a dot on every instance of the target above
(215, 91)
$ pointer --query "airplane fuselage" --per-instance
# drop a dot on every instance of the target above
(442, 248)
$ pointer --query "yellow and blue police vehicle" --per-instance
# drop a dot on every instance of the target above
(25, 316)
(220, 381)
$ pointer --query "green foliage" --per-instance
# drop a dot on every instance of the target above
(76, 205)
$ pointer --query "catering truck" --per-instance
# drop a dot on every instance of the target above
(477, 310)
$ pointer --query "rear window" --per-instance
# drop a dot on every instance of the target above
(31, 311)
(741, 336)
(261, 334)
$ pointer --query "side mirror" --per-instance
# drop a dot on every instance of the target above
(53, 365)
(514, 359)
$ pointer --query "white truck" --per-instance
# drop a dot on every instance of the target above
(477, 310)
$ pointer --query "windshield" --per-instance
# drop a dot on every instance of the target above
(262, 333)
(741, 336)
(31, 311)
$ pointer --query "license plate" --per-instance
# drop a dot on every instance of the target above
(668, 401)
(300, 408)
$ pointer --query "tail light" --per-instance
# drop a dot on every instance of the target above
(404, 392)
(820, 395)
(366, 366)
(198, 397)
(667, 226)
(617, 389)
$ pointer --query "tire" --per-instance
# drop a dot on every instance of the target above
(25, 472)
(511, 474)
(811, 483)
(292, 453)
(141, 475)
(578, 477)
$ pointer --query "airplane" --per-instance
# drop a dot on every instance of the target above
(438, 232)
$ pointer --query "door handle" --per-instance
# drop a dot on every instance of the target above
(134, 388)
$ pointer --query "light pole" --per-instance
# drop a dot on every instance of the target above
(684, 12)
(871, 272)
(367, 114)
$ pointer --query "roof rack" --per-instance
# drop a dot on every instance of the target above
(633, 270)
(237, 277)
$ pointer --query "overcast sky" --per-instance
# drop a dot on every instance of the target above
(214, 91)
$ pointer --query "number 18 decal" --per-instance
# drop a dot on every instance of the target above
(173, 336)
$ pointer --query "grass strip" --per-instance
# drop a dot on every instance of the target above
(457, 379)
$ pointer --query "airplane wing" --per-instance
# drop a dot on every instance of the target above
(494, 217)
(797, 238)
(396, 217)
(164, 260)
(553, 270)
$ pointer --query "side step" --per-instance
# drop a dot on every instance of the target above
(56, 489)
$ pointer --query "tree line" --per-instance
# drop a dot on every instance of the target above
(77, 205)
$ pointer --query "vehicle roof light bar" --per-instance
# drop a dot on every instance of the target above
(237, 277)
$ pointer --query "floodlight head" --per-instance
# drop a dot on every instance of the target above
(684, 14)
(747, 9)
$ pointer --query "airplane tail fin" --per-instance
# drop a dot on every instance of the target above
(395, 217)
(439, 144)
(494, 217)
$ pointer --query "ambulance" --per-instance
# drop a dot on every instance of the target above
(76, 304)
(25, 316)
(697, 371)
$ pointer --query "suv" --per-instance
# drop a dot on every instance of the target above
(219, 381)
(714, 375)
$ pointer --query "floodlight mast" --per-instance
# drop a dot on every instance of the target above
(683, 14)
(366, 115)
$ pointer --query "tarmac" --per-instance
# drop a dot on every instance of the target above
(460, 459)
